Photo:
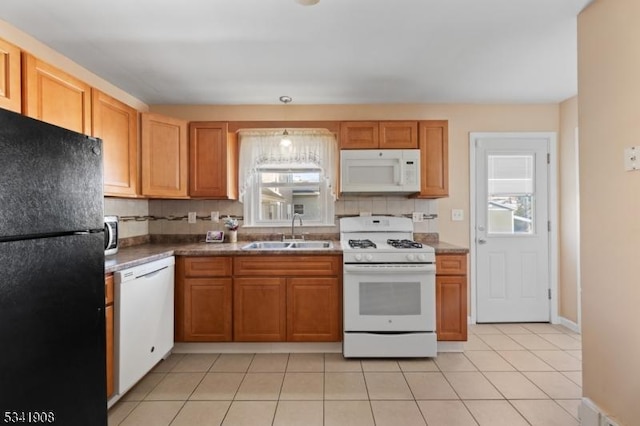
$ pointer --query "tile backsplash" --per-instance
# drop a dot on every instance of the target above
(347, 205)
(128, 207)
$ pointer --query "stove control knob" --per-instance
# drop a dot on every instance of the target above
(369, 257)
(358, 257)
(422, 257)
(410, 257)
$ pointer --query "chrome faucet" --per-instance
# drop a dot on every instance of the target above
(293, 222)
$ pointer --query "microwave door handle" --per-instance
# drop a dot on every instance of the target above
(401, 169)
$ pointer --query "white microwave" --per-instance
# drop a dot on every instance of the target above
(380, 171)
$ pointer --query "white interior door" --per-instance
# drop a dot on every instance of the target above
(512, 228)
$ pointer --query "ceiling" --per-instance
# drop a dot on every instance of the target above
(336, 52)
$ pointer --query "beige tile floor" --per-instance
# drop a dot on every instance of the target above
(509, 374)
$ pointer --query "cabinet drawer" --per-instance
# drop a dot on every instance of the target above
(108, 289)
(451, 264)
(196, 267)
(287, 265)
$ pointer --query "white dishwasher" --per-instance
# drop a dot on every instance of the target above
(143, 319)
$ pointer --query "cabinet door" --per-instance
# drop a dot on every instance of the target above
(313, 310)
(164, 156)
(359, 135)
(259, 313)
(10, 78)
(434, 159)
(108, 313)
(117, 125)
(54, 96)
(212, 161)
(207, 310)
(398, 134)
(451, 307)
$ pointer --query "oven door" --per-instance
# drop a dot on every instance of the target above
(389, 297)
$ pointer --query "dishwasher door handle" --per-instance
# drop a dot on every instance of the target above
(152, 273)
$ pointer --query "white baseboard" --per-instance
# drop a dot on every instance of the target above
(569, 324)
(469, 320)
(592, 415)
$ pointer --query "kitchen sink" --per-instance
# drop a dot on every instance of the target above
(288, 245)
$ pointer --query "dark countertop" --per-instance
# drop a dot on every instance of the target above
(136, 255)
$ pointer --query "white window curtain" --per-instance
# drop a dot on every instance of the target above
(308, 148)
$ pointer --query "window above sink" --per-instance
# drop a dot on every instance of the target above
(278, 181)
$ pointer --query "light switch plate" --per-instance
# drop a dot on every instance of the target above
(457, 215)
(192, 217)
(215, 217)
(632, 158)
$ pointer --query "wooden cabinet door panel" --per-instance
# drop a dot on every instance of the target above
(108, 311)
(207, 266)
(207, 310)
(294, 265)
(259, 313)
(359, 135)
(434, 159)
(10, 77)
(451, 307)
(164, 156)
(451, 264)
(117, 125)
(109, 326)
(398, 134)
(54, 96)
(313, 310)
(211, 161)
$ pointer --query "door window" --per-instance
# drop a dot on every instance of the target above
(511, 194)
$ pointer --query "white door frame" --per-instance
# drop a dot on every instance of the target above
(553, 213)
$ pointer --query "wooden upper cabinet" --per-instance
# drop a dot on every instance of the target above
(53, 96)
(434, 158)
(164, 156)
(359, 135)
(10, 78)
(398, 134)
(117, 125)
(213, 159)
(379, 135)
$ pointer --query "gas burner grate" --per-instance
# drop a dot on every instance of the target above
(404, 244)
(362, 244)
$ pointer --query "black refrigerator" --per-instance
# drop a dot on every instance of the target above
(52, 324)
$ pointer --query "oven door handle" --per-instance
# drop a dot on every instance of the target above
(428, 268)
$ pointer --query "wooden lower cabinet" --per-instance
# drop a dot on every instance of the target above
(207, 313)
(259, 313)
(203, 299)
(108, 312)
(451, 297)
(313, 310)
(258, 299)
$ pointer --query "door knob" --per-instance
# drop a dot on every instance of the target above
(481, 241)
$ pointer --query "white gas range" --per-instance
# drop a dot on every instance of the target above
(388, 289)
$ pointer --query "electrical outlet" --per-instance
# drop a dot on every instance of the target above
(215, 217)
(457, 215)
(192, 217)
(418, 216)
